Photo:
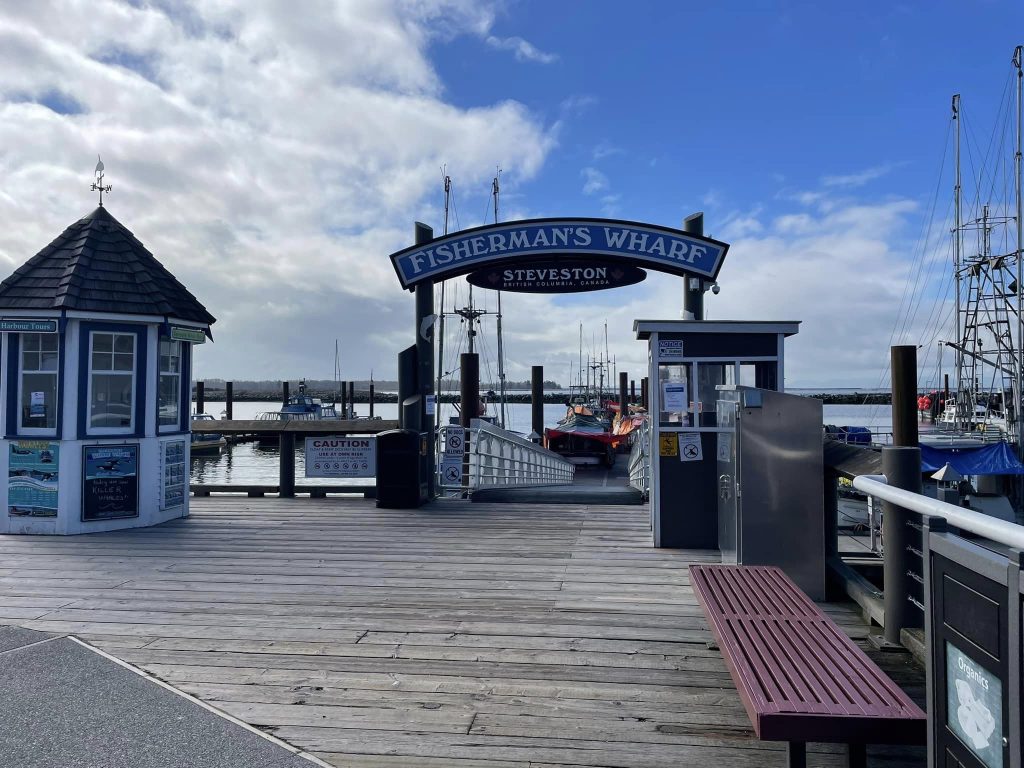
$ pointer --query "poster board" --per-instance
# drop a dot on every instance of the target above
(110, 482)
(33, 478)
(173, 473)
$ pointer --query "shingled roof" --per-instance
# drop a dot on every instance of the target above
(98, 265)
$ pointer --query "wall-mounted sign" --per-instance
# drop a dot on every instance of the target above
(26, 325)
(673, 396)
(668, 445)
(341, 456)
(690, 447)
(455, 441)
(191, 335)
(451, 470)
(974, 706)
(174, 474)
(670, 349)
(110, 482)
(517, 243)
(32, 478)
(558, 276)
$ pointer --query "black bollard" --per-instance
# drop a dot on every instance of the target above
(287, 479)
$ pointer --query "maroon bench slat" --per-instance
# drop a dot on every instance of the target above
(799, 676)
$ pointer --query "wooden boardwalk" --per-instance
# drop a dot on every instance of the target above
(455, 636)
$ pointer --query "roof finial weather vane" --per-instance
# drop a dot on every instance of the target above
(98, 184)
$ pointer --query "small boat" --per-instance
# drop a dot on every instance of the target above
(207, 442)
(302, 407)
(584, 436)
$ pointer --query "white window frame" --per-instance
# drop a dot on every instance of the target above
(130, 429)
(160, 373)
(20, 428)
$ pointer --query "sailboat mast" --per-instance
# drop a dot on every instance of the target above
(964, 406)
(495, 188)
(1018, 55)
(440, 329)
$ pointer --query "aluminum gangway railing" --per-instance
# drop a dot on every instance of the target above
(640, 458)
(497, 458)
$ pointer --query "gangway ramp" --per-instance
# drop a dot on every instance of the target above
(592, 484)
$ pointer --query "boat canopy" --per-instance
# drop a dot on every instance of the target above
(995, 459)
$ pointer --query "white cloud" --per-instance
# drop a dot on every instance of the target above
(262, 154)
(857, 179)
(523, 49)
(593, 181)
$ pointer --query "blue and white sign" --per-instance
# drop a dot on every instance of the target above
(519, 242)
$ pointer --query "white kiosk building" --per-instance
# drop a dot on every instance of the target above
(97, 348)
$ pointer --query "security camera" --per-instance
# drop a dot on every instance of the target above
(716, 289)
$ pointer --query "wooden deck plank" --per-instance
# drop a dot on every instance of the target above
(469, 636)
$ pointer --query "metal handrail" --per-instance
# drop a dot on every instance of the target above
(640, 458)
(992, 528)
(498, 458)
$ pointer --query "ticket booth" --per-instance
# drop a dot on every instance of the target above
(97, 343)
(688, 360)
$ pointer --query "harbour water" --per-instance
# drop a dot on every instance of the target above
(248, 463)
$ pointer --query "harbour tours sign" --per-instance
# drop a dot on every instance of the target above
(520, 244)
(556, 276)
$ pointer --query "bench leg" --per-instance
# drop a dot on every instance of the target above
(796, 754)
(857, 755)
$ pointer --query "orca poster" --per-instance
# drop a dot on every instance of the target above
(110, 483)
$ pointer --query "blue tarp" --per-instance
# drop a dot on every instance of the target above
(994, 459)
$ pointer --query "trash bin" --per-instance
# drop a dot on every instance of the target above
(401, 483)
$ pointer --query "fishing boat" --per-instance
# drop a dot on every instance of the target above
(302, 407)
(206, 442)
(584, 435)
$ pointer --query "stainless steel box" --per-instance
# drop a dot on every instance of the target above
(771, 484)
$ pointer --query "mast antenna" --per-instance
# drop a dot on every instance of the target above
(98, 185)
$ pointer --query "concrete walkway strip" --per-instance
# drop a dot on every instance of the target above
(64, 703)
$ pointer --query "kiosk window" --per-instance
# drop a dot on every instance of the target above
(748, 374)
(675, 390)
(112, 382)
(709, 376)
(38, 398)
(170, 382)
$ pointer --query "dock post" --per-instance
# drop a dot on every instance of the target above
(371, 399)
(469, 405)
(643, 393)
(537, 400)
(623, 404)
(200, 397)
(229, 400)
(284, 393)
(904, 395)
(406, 385)
(424, 329)
(344, 412)
(352, 396)
(693, 290)
(287, 479)
(901, 466)
(632, 391)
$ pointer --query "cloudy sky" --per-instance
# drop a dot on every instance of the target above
(272, 154)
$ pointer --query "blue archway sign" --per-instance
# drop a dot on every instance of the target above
(520, 242)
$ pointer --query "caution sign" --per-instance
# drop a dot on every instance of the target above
(689, 447)
(667, 445)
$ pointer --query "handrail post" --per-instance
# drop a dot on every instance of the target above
(287, 479)
(901, 466)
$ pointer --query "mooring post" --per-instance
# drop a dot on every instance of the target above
(537, 401)
(200, 397)
(901, 466)
(632, 391)
(904, 395)
(425, 351)
(371, 399)
(287, 479)
(643, 393)
(352, 397)
(229, 400)
(284, 393)
(623, 405)
(344, 404)
(469, 407)
(407, 388)
(693, 291)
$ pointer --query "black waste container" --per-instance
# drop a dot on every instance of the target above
(401, 483)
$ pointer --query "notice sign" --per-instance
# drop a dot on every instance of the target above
(974, 706)
(341, 456)
(455, 441)
(668, 445)
(32, 477)
(689, 447)
(451, 470)
(175, 474)
(110, 482)
(674, 397)
(431, 405)
(670, 349)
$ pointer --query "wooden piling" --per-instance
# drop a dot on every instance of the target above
(537, 400)
(200, 397)
(287, 479)
(229, 400)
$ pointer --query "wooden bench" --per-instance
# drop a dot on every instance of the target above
(800, 677)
